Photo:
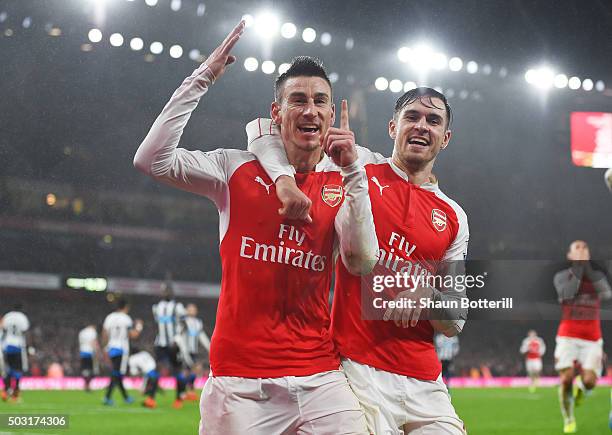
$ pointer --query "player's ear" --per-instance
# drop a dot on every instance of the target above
(392, 129)
(446, 140)
(275, 114)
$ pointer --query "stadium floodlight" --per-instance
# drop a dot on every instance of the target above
(333, 77)
(194, 54)
(26, 23)
(587, 84)
(283, 67)
(349, 44)
(439, 61)
(266, 25)
(288, 30)
(136, 44)
(116, 40)
(3, 16)
(471, 67)
(530, 76)
(326, 39)
(560, 81)
(486, 69)
(574, 83)
(600, 86)
(251, 64)
(422, 57)
(156, 47)
(95, 35)
(404, 54)
(503, 72)
(381, 84)
(175, 5)
(396, 86)
(408, 86)
(248, 20)
(268, 67)
(542, 77)
(151, 2)
(201, 10)
(455, 64)
(176, 51)
(51, 199)
(309, 35)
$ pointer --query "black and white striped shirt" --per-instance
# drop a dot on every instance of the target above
(167, 315)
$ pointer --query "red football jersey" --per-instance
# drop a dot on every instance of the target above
(580, 316)
(414, 225)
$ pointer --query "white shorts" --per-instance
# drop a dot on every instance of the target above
(395, 402)
(588, 353)
(318, 404)
(533, 366)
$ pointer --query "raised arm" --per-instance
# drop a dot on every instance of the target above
(159, 156)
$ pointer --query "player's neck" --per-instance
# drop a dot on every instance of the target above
(417, 173)
(303, 160)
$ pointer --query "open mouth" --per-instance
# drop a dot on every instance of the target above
(309, 129)
(421, 141)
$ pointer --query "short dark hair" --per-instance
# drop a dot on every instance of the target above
(121, 303)
(301, 66)
(425, 95)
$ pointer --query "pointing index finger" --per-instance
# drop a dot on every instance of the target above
(344, 116)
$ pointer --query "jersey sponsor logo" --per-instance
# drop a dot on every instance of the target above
(380, 188)
(438, 219)
(332, 194)
(260, 180)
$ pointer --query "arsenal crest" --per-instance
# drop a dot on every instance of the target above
(332, 194)
(438, 219)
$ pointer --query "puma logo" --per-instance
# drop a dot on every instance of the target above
(263, 183)
(375, 181)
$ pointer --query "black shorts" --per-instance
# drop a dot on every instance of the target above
(13, 361)
(167, 354)
(86, 363)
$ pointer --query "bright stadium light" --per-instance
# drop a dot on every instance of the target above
(251, 64)
(471, 67)
(3, 16)
(408, 86)
(116, 40)
(309, 35)
(422, 57)
(560, 81)
(542, 77)
(396, 86)
(587, 84)
(381, 84)
(283, 67)
(440, 61)
(288, 30)
(26, 23)
(95, 35)
(151, 2)
(333, 77)
(266, 25)
(600, 86)
(248, 20)
(194, 54)
(349, 44)
(455, 64)
(574, 83)
(404, 54)
(326, 38)
(156, 47)
(201, 10)
(486, 69)
(176, 51)
(175, 5)
(136, 44)
(268, 67)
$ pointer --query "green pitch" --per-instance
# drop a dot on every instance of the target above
(485, 412)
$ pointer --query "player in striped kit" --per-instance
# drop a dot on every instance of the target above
(392, 364)
(117, 330)
(15, 324)
(534, 348)
(168, 315)
(89, 352)
(580, 290)
(192, 335)
(142, 363)
(273, 363)
(447, 349)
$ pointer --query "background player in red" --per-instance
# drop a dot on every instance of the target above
(580, 290)
(533, 348)
(274, 366)
(392, 365)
